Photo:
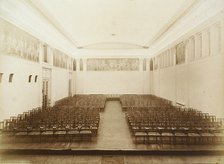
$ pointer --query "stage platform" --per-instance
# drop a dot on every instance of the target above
(109, 159)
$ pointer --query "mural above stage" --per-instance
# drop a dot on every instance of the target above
(113, 64)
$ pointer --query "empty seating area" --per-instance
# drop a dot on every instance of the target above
(153, 120)
(71, 119)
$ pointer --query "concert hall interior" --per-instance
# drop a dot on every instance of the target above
(112, 81)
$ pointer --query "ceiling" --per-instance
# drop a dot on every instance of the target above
(112, 23)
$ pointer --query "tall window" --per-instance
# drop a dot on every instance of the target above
(81, 65)
(166, 58)
(169, 57)
(199, 47)
(206, 43)
(172, 52)
(180, 53)
(45, 53)
(218, 31)
(151, 65)
(192, 48)
(209, 42)
(163, 59)
(144, 65)
(74, 65)
(155, 63)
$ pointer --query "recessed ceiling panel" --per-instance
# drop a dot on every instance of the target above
(89, 22)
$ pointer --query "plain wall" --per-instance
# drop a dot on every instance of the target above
(60, 80)
(19, 95)
(112, 82)
(198, 84)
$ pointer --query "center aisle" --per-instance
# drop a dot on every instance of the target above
(113, 132)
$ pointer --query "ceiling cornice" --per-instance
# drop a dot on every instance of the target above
(187, 6)
(113, 45)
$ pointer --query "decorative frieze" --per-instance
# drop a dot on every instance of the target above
(15, 42)
(113, 64)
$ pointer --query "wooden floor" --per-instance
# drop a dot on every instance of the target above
(108, 159)
(113, 134)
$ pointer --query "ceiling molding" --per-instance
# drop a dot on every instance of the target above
(40, 9)
(187, 6)
(113, 45)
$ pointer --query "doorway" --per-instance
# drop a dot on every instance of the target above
(45, 94)
(46, 88)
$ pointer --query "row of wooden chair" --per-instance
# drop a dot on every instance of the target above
(143, 101)
(63, 122)
(191, 138)
(159, 122)
(86, 101)
(54, 134)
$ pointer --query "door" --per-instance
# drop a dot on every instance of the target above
(46, 88)
(45, 96)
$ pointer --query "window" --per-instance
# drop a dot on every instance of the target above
(11, 77)
(30, 78)
(206, 43)
(144, 65)
(180, 53)
(192, 48)
(1, 75)
(155, 63)
(215, 39)
(199, 46)
(162, 60)
(151, 65)
(187, 49)
(36, 78)
(81, 65)
(74, 65)
(218, 36)
(166, 57)
(45, 53)
(218, 28)
(170, 58)
(172, 52)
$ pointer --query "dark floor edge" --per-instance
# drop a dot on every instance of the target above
(110, 152)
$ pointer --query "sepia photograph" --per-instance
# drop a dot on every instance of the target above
(111, 81)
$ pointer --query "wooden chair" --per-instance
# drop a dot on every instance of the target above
(207, 138)
(167, 138)
(193, 138)
(153, 137)
(180, 138)
(140, 137)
